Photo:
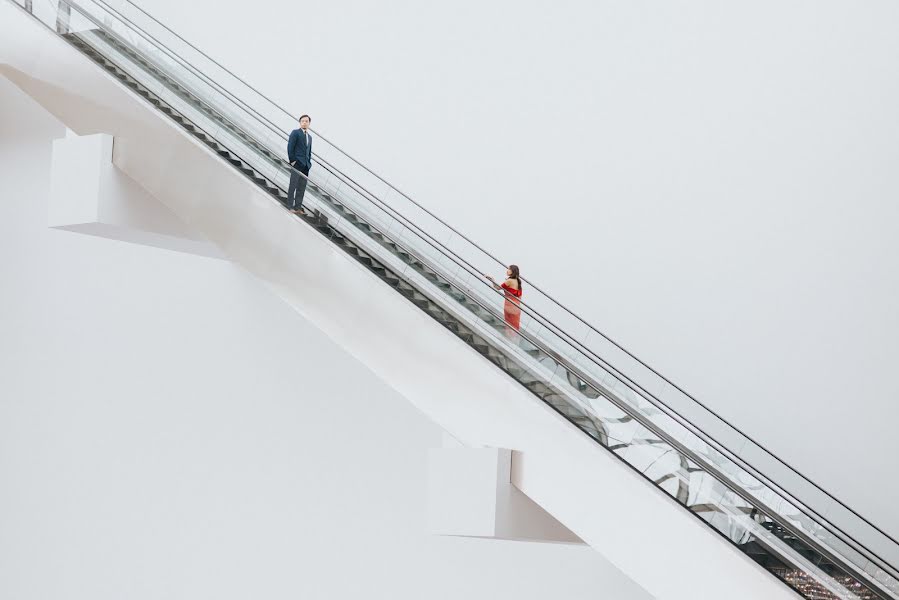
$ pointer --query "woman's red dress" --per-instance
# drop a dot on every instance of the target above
(511, 308)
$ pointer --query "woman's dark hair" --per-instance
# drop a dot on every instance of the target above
(515, 276)
(305, 117)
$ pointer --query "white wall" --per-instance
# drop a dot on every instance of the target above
(713, 184)
(169, 429)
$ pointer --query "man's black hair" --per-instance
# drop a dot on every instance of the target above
(305, 117)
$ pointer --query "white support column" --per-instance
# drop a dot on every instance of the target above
(89, 194)
(470, 493)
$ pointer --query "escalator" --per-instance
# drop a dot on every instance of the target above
(796, 531)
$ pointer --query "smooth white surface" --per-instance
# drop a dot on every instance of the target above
(560, 469)
(712, 183)
(88, 194)
(463, 484)
(169, 429)
(75, 173)
(470, 493)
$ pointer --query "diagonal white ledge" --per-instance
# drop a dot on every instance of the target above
(90, 195)
(470, 494)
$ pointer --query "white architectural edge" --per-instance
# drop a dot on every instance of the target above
(470, 494)
(90, 195)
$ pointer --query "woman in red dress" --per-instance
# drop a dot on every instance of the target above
(511, 288)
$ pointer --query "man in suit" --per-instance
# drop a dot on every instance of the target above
(299, 154)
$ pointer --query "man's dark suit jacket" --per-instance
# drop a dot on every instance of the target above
(298, 150)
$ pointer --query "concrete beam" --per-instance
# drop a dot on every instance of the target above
(90, 195)
(470, 493)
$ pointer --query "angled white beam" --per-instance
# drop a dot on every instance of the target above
(90, 195)
(470, 493)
